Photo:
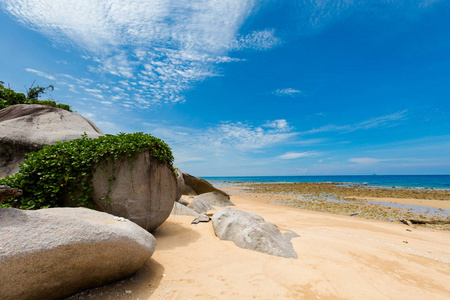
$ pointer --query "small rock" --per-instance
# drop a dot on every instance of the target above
(183, 201)
(201, 218)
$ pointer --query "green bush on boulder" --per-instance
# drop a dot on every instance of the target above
(46, 176)
(9, 97)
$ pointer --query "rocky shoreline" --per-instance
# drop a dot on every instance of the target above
(357, 200)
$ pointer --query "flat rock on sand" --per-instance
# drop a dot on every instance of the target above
(53, 253)
(250, 231)
(215, 199)
(200, 206)
(180, 209)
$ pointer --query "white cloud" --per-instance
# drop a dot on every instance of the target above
(366, 160)
(382, 121)
(317, 14)
(244, 136)
(294, 155)
(258, 40)
(157, 48)
(287, 92)
(39, 73)
(280, 125)
(226, 137)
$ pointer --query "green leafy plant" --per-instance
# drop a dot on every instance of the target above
(48, 175)
(9, 97)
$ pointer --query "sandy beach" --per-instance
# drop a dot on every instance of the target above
(339, 257)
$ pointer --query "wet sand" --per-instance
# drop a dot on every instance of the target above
(339, 257)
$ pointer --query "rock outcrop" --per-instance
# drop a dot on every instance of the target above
(188, 191)
(53, 253)
(199, 186)
(180, 183)
(250, 231)
(143, 190)
(29, 127)
(215, 199)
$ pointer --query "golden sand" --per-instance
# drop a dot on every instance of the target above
(339, 257)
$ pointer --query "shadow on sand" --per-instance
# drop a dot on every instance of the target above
(172, 234)
(140, 285)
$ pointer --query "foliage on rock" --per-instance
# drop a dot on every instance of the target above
(49, 174)
(9, 97)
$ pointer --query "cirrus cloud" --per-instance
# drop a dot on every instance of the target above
(160, 48)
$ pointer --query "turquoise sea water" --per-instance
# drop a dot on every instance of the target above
(412, 181)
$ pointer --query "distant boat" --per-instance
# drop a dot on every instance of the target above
(374, 174)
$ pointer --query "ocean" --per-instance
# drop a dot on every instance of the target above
(409, 181)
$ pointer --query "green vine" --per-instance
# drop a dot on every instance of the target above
(48, 175)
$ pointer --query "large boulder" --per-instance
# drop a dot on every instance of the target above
(180, 183)
(188, 191)
(140, 189)
(250, 231)
(215, 199)
(27, 128)
(53, 253)
(199, 186)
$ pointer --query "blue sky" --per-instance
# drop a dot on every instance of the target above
(249, 87)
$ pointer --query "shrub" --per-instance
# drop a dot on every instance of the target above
(9, 97)
(46, 176)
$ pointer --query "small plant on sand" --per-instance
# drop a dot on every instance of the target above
(49, 174)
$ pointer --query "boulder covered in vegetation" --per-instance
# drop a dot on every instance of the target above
(128, 175)
(53, 253)
(139, 188)
(27, 128)
(199, 186)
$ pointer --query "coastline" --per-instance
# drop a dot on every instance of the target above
(386, 204)
(340, 256)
